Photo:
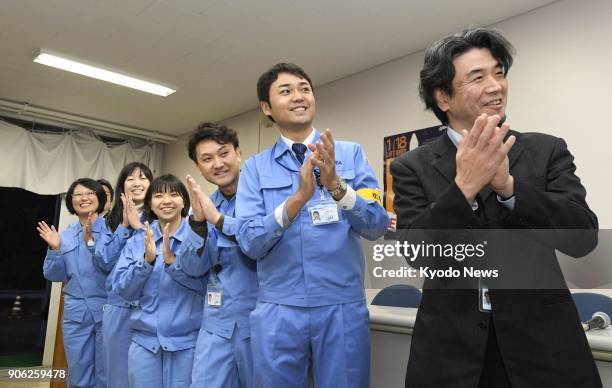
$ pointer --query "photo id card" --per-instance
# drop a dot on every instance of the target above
(324, 212)
(484, 301)
(214, 294)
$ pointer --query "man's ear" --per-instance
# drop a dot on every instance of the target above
(442, 100)
(239, 155)
(265, 107)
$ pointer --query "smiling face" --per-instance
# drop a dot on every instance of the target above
(84, 200)
(219, 164)
(479, 86)
(292, 103)
(136, 184)
(167, 206)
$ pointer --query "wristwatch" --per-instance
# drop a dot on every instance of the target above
(340, 188)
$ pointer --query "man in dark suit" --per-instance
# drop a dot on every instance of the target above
(520, 329)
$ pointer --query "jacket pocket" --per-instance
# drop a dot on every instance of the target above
(348, 174)
(276, 189)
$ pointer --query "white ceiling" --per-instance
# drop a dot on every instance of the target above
(212, 51)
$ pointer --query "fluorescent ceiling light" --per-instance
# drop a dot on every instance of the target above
(45, 58)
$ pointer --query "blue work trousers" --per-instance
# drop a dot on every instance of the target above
(163, 369)
(221, 362)
(116, 340)
(334, 339)
(83, 347)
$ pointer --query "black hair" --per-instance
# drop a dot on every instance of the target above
(267, 79)
(115, 216)
(211, 131)
(166, 183)
(91, 185)
(108, 185)
(438, 70)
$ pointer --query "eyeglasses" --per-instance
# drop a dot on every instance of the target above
(85, 194)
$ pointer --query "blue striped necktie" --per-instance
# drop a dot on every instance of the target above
(300, 151)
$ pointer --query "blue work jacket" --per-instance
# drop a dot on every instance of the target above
(169, 314)
(237, 277)
(74, 264)
(307, 265)
(107, 252)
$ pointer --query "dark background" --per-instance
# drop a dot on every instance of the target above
(21, 260)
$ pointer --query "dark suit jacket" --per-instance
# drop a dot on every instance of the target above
(536, 323)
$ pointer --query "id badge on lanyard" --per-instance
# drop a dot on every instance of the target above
(324, 210)
(214, 294)
(484, 301)
(214, 289)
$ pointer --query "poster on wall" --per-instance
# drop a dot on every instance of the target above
(396, 145)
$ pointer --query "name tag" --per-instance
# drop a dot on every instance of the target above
(324, 212)
(214, 295)
(484, 302)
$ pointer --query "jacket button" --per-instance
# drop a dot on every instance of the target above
(482, 325)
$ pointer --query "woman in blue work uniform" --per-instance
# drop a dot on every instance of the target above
(123, 221)
(70, 259)
(166, 323)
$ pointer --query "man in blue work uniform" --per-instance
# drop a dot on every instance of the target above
(311, 303)
(223, 352)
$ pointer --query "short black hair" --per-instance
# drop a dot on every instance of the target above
(267, 79)
(91, 185)
(211, 131)
(438, 70)
(166, 183)
(115, 215)
(108, 185)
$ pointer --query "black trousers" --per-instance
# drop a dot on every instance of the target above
(494, 373)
